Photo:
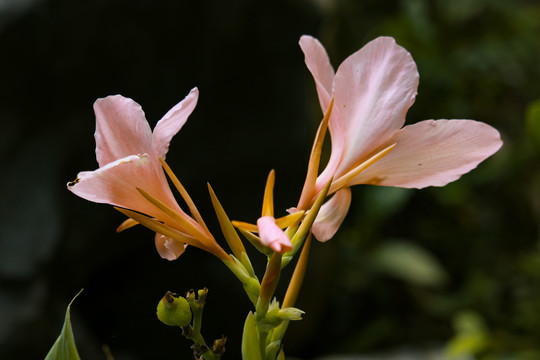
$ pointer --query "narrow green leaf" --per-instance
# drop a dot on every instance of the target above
(64, 347)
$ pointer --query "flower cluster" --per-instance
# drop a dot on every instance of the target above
(364, 103)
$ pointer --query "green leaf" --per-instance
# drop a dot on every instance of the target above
(64, 347)
(471, 336)
(410, 262)
(250, 340)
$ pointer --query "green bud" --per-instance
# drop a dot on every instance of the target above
(174, 310)
(276, 316)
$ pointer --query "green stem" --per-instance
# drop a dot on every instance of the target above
(262, 342)
(249, 281)
(193, 332)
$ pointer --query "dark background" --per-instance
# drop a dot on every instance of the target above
(407, 269)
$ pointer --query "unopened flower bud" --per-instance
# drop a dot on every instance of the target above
(174, 310)
(276, 316)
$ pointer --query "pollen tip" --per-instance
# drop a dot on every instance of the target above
(71, 183)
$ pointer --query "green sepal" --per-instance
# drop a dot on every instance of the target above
(250, 340)
(244, 259)
(256, 242)
(64, 347)
(272, 349)
(249, 281)
(276, 316)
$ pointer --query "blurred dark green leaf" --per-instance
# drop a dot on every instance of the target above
(532, 122)
(471, 337)
(408, 261)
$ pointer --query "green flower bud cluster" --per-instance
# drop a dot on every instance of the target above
(275, 316)
(174, 310)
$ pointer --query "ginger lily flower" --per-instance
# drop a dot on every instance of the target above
(269, 228)
(372, 91)
(130, 173)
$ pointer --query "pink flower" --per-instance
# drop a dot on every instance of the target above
(270, 229)
(372, 91)
(272, 235)
(128, 154)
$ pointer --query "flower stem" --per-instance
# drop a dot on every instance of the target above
(193, 332)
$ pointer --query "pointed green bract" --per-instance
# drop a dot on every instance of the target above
(227, 228)
(256, 242)
(64, 347)
(250, 340)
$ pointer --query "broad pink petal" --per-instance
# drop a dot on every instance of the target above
(121, 129)
(168, 248)
(318, 63)
(173, 121)
(373, 89)
(116, 183)
(331, 215)
(433, 153)
(272, 236)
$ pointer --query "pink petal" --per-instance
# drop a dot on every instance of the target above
(373, 89)
(318, 63)
(433, 153)
(173, 121)
(272, 236)
(168, 248)
(331, 215)
(121, 129)
(116, 183)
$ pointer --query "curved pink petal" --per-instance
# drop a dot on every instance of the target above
(373, 89)
(169, 248)
(121, 129)
(173, 121)
(318, 63)
(331, 215)
(433, 153)
(272, 236)
(116, 183)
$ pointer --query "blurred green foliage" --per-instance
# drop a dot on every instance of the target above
(481, 60)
